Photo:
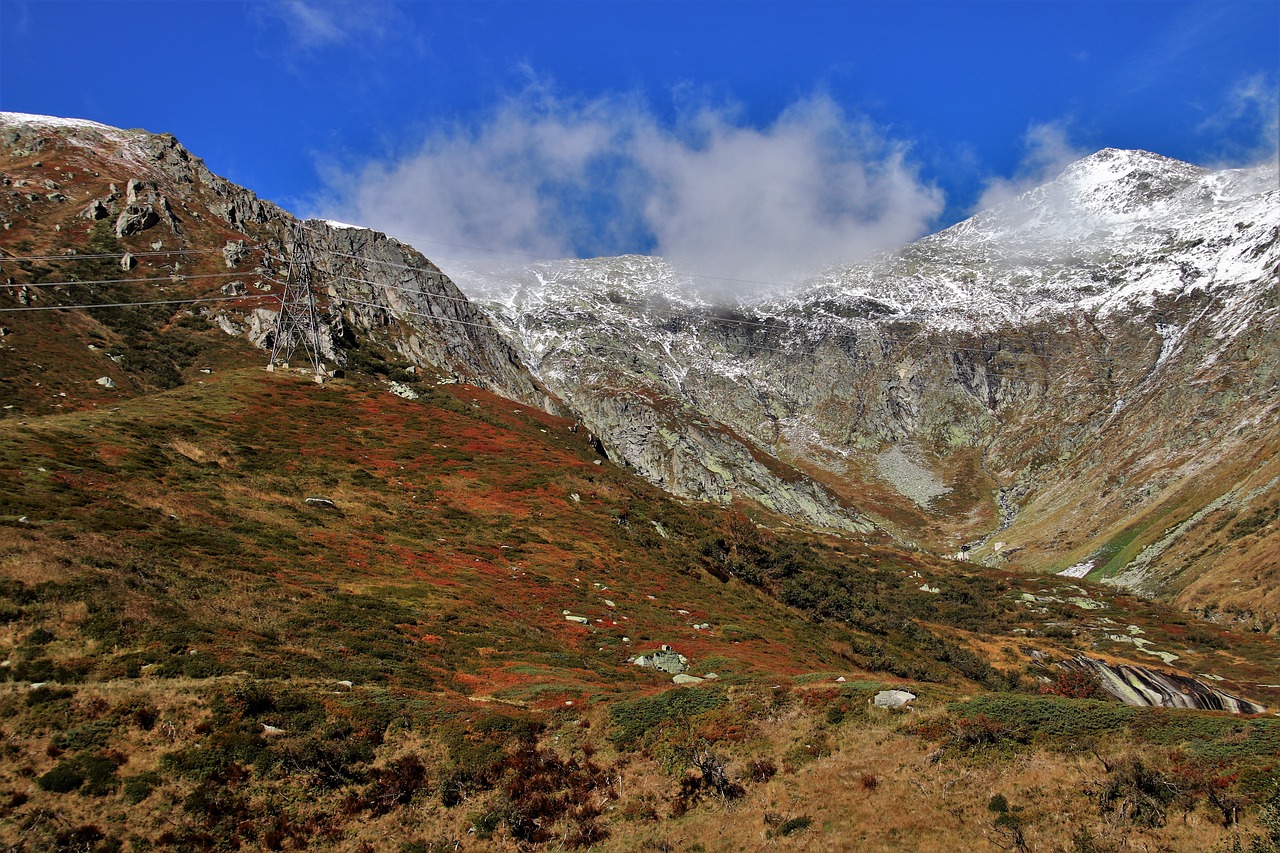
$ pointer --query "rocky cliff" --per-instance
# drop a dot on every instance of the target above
(207, 238)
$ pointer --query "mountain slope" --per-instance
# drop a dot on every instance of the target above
(279, 613)
(1073, 377)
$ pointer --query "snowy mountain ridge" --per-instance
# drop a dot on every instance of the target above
(1114, 229)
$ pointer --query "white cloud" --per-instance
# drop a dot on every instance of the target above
(1048, 152)
(317, 24)
(716, 196)
(812, 188)
(1250, 111)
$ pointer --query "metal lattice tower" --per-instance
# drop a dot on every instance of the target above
(299, 322)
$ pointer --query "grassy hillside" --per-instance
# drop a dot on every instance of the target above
(389, 664)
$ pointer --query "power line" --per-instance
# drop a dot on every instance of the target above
(174, 278)
(711, 319)
(488, 326)
(79, 257)
(671, 314)
(136, 304)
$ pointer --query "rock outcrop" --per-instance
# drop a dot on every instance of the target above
(1145, 687)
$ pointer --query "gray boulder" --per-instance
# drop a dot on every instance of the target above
(893, 699)
(135, 219)
(234, 252)
(664, 660)
(96, 210)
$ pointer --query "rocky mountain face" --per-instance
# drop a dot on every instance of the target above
(1083, 380)
(194, 235)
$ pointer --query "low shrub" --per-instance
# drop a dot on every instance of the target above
(633, 720)
(1134, 792)
(137, 788)
(794, 825)
(66, 776)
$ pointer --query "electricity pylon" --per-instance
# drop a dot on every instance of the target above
(299, 322)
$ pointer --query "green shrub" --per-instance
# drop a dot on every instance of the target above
(1051, 718)
(138, 788)
(99, 775)
(1136, 793)
(65, 777)
(39, 637)
(796, 824)
(633, 720)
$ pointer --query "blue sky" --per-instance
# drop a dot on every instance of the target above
(738, 138)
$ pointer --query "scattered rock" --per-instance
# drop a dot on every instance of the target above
(234, 288)
(128, 261)
(131, 190)
(893, 698)
(324, 503)
(269, 730)
(107, 382)
(581, 620)
(681, 678)
(346, 684)
(932, 589)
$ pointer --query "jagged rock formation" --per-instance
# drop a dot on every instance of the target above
(1085, 370)
(379, 292)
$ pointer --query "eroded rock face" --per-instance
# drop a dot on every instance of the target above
(1145, 687)
(381, 289)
